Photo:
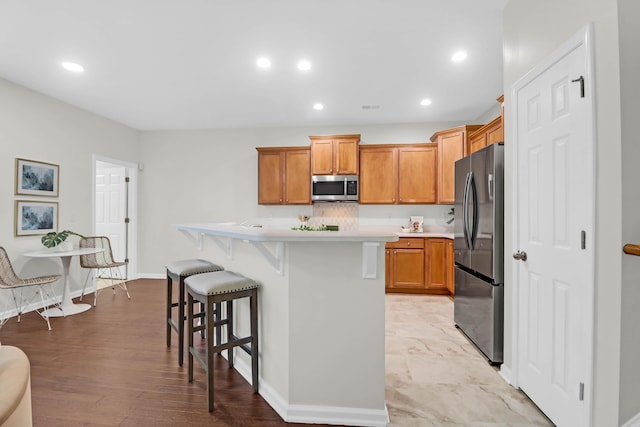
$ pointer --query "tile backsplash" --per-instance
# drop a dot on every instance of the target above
(343, 214)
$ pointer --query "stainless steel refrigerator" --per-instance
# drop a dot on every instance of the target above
(479, 249)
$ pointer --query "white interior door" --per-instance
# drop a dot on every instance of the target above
(111, 200)
(555, 197)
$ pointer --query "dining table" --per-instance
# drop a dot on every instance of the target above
(66, 307)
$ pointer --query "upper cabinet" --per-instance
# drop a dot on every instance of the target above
(284, 176)
(398, 174)
(334, 154)
(486, 135)
(452, 146)
(490, 133)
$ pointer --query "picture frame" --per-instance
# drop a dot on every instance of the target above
(34, 178)
(34, 218)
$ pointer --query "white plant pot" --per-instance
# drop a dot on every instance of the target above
(64, 246)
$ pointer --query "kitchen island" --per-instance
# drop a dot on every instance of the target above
(321, 316)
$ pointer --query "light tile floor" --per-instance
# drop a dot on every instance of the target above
(436, 377)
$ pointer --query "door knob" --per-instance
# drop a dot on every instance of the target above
(521, 255)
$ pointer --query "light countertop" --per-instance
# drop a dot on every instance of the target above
(251, 232)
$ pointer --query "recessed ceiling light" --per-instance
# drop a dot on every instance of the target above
(72, 66)
(318, 106)
(263, 62)
(304, 65)
(425, 102)
(459, 56)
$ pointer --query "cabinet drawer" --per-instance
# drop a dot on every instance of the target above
(407, 242)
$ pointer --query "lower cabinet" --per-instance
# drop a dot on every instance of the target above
(419, 265)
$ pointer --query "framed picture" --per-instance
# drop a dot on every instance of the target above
(35, 218)
(36, 178)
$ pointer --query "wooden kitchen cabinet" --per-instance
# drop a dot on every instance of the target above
(398, 174)
(417, 168)
(419, 265)
(437, 270)
(488, 134)
(452, 146)
(450, 263)
(334, 154)
(378, 174)
(284, 176)
(405, 266)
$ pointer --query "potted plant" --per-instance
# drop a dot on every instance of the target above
(57, 240)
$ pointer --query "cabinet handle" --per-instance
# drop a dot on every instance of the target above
(408, 243)
(395, 252)
(387, 251)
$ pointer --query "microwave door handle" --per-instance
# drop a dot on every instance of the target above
(345, 191)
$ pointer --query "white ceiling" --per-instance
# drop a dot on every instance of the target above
(188, 64)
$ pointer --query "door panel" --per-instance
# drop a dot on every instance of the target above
(553, 210)
(478, 312)
(461, 252)
(111, 207)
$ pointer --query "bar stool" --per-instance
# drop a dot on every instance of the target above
(179, 271)
(211, 289)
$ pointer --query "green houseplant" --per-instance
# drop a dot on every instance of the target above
(55, 238)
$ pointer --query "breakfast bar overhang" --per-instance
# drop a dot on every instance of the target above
(321, 316)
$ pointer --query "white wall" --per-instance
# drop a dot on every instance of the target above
(211, 175)
(629, 15)
(37, 127)
(532, 30)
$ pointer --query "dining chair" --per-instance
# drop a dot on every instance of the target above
(103, 264)
(10, 280)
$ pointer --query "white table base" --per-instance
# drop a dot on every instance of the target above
(66, 306)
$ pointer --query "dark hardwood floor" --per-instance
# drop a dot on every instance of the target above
(110, 366)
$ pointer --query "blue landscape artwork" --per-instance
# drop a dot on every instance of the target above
(37, 218)
(37, 178)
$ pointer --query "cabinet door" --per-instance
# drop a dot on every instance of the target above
(408, 268)
(322, 157)
(477, 141)
(436, 270)
(377, 176)
(297, 179)
(417, 174)
(449, 263)
(495, 132)
(388, 267)
(451, 147)
(270, 176)
(346, 156)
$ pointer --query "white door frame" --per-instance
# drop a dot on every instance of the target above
(584, 37)
(132, 173)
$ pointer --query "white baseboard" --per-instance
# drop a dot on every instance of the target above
(151, 276)
(309, 414)
(633, 422)
(506, 374)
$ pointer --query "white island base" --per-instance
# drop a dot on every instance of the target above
(321, 322)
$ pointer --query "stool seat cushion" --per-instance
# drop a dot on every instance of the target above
(222, 282)
(188, 267)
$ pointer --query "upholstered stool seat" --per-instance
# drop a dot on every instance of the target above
(179, 271)
(212, 289)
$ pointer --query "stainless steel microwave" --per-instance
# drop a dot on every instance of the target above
(334, 188)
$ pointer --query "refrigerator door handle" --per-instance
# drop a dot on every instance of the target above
(465, 211)
(474, 220)
(490, 186)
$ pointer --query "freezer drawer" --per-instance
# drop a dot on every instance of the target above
(479, 313)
